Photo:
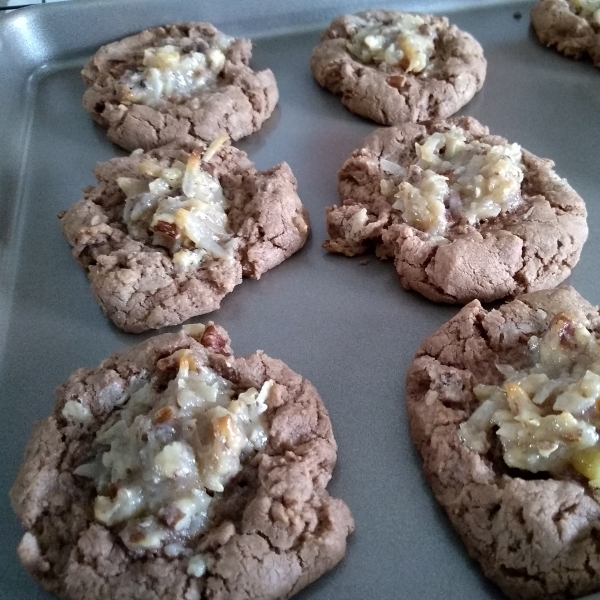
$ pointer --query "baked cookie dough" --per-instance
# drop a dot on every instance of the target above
(464, 214)
(171, 82)
(394, 67)
(166, 234)
(572, 26)
(503, 406)
(176, 471)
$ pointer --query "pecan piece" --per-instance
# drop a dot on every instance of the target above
(170, 516)
(211, 338)
(137, 536)
(182, 359)
(163, 415)
(168, 363)
(113, 489)
(169, 229)
(396, 81)
(565, 331)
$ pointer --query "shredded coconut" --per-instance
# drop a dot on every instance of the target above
(77, 413)
(174, 71)
(388, 166)
(407, 42)
(160, 461)
(546, 416)
(180, 207)
(353, 225)
(455, 180)
(587, 9)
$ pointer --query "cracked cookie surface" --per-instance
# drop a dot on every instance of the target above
(557, 24)
(531, 246)
(272, 531)
(237, 101)
(534, 534)
(388, 93)
(137, 284)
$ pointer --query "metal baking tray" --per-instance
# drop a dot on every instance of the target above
(348, 327)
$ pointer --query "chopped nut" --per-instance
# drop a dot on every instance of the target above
(137, 536)
(171, 515)
(168, 229)
(164, 414)
(113, 490)
(396, 81)
(169, 363)
(224, 426)
(211, 338)
(565, 330)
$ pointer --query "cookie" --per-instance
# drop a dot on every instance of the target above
(175, 470)
(394, 67)
(171, 82)
(503, 408)
(166, 234)
(572, 26)
(464, 214)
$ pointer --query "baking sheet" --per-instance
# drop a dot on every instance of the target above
(349, 328)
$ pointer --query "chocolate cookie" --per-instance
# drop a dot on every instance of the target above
(573, 26)
(503, 408)
(171, 82)
(463, 213)
(176, 471)
(165, 235)
(394, 67)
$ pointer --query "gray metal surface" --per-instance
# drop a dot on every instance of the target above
(350, 329)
